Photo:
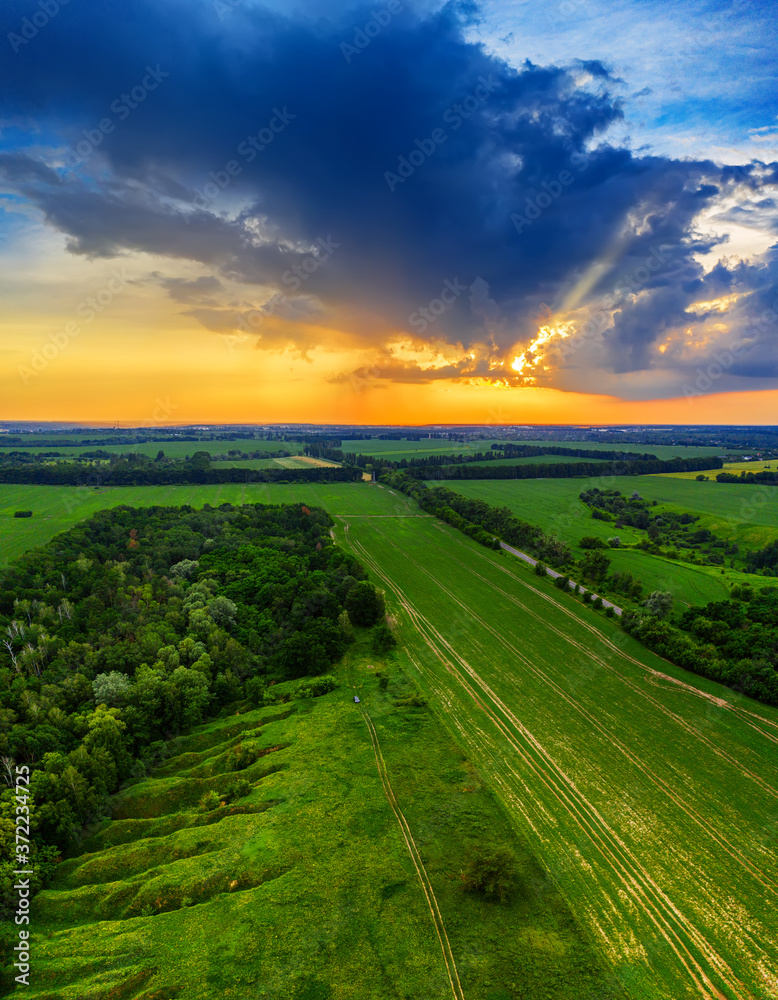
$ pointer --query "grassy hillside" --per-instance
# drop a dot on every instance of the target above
(647, 793)
(308, 887)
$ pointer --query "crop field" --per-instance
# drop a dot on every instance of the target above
(734, 467)
(56, 508)
(397, 450)
(648, 794)
(337, 877)
(747, 515)
(172, 449)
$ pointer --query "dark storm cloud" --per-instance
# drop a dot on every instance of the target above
(419, 157)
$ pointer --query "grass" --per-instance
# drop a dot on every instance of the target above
(745, 515)
(305, 888)
(646, 792)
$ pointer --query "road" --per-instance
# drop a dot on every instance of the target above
(553, 573)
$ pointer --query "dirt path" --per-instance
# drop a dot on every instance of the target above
(432, 902)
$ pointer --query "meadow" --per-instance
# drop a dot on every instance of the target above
(646, 792)
(337, 877)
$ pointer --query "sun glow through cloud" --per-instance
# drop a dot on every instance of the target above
(531, 358)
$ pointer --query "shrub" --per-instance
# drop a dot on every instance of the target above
(609, 612)
(597, 603)
(314, 687)
(383, 640)
(22, 513)
(210, 801)
(541, 569)
(490, 871)
(589, 542)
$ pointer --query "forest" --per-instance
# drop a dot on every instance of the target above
(140, 623)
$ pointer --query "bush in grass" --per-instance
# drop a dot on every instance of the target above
(383, 681)
(609, 612)
(209, 801)
(491, 872)
(589, 542)
(22, 513)
(597, 603)
(314, 687)
(562, 582)
(383, 640)
(541, 569)
(586, 596)
(239, 789)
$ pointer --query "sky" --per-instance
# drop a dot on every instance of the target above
(505, 212)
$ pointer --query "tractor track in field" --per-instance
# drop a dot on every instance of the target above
(682, 937)
(654, 674)
(429, 893)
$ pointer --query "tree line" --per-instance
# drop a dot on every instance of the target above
(126, 472)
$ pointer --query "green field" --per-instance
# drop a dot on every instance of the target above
(315, 885)
(746, 515)
(647, 793)
(394, 451)
(663, 451)
(172, 449)
(56, 508)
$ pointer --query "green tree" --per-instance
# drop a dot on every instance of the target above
(491, 871)
(364, 604)
(111, 688)
(659, 603)
(594, 566)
